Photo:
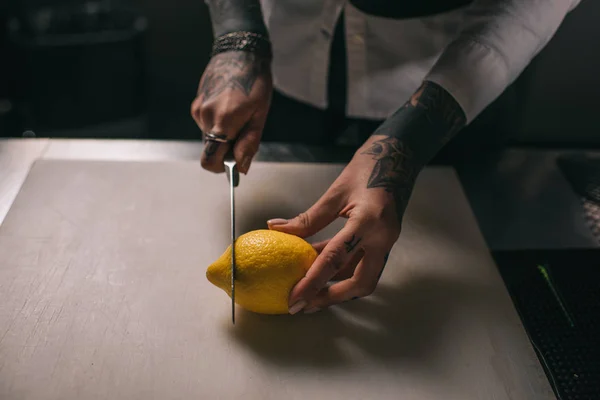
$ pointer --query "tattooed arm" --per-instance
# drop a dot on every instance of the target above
(500, 37)
(236, 15)
(234, 93)
(408, 139)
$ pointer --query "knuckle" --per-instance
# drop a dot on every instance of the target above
(335, 193)
(372, 216)
(384, 229)
(194, 108)
(205, 113)
(311, 290)
(228, 110)
(196, 114)
(303, 219)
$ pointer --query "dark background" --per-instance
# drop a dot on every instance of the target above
(154, 75)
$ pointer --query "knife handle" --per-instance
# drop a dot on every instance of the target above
(233, 175)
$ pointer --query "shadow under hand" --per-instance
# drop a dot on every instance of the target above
(406, 322)
(413, 320)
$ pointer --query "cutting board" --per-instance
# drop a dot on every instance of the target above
(103, 295)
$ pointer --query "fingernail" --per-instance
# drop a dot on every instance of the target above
(246, 163)
(298, 306)
(312, 310)
(277, 221)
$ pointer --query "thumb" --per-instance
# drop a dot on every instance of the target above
(246, 147)
(317, 217)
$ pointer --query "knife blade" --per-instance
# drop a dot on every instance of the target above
(233, 177)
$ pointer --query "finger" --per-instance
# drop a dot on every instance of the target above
(317, 217)
(213, 152)
(202, 115)
(348, 270)
(231, 122)
(336, 255)
(213, 156)
(195, 110)
(225, 124)
(361, 284)
(247, 145)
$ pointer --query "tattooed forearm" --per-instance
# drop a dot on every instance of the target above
(235, 70)
(426, 122)
(410, 138)
(236, 15)
(441, 110)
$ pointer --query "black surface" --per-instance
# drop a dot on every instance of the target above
(566, 337)
(83, 67)
(561, 311)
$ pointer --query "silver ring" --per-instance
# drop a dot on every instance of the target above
(216, 137)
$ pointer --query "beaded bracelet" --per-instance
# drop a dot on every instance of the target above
(243, 41)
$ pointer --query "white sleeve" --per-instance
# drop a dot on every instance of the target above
(498, 40)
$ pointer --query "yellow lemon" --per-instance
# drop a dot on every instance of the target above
(268, 265)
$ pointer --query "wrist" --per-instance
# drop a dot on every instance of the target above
(426, 122)
(250, 42)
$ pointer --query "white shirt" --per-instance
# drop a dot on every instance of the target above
(474, 52)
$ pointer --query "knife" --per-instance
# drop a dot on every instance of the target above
(233, 176)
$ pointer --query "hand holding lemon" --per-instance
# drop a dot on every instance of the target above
(280, 274)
